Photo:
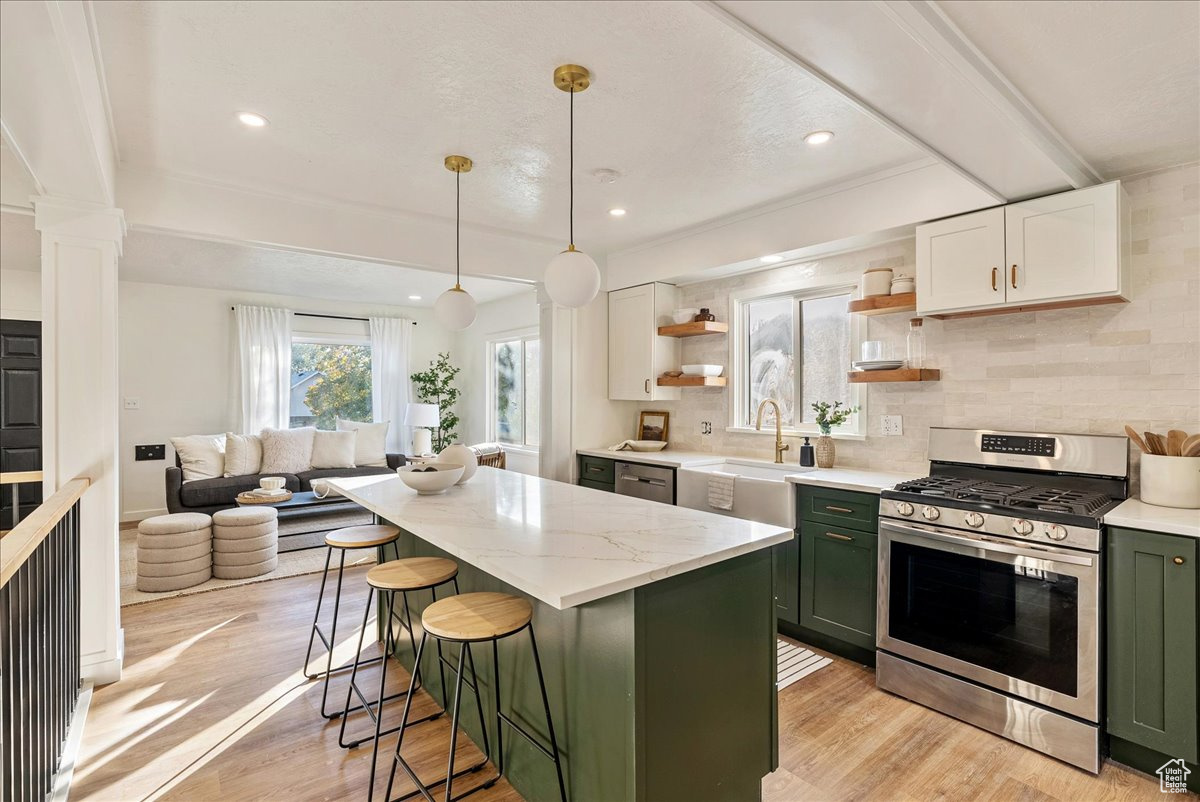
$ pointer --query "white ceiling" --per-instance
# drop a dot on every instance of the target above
(700, 120)
(165, 259)
(1117, 79)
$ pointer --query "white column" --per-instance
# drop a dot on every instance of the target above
(80, 246)
(556, 331)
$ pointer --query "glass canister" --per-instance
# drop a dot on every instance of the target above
(916, 343)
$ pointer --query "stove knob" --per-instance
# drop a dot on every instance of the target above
(1022, 527)
(904, 508)
(930, 513)
(1056, 532)
(974, 519)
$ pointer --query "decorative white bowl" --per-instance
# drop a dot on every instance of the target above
(430, 483)
(272, 482)
(647, 445)
(458, 454)
(703, 370)
(681, 316)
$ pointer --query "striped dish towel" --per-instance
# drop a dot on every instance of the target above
(720, 490)
(796, 663)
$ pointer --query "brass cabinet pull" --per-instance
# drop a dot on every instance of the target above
(995, 270)
(840, 509)
(836, 536)
(595, 469)
(1178, 560)
(1013, 276)
(647, 386)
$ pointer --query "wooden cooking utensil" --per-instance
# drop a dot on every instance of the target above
(1191, 446)
(1175, 438)
(1156, 443)
(1137, 439)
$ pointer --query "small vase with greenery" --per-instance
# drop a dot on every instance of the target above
(436, 386)
(828, 416)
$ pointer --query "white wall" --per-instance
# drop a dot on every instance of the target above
(176, 357)
(517, 313)
(20, 295)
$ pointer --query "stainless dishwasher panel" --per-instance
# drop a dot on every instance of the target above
(646, 481)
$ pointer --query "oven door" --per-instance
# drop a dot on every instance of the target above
(1021, 619)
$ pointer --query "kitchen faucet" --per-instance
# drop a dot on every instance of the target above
(780, 446)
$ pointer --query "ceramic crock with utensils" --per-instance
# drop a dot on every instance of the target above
(1170, 475)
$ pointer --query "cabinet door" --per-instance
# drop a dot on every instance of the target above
(1065, 246)
(960, 262)
(785, 560)
(631, 336)
(837, 582)
(1152, 641)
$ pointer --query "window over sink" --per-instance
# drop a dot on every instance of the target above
(796, 348)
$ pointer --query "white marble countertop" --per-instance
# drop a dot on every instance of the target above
(859, 479)
(1140, 515)
(560, 543)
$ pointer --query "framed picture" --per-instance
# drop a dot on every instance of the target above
(653, 426)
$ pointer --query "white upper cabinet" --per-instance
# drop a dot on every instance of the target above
(637, 355)
(1069, 249)
(959, 262)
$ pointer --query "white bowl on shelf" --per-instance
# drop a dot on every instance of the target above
(681, 316)
(703, 370)
(428, 482)
(647, 445)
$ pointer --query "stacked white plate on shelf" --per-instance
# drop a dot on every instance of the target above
(879, 364)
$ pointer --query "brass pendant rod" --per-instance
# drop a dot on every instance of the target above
(457, 227)
(572, 168)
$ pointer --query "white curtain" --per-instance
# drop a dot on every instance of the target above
(264, 366)
(390, 338)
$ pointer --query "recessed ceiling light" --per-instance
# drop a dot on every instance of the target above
(251, 120)
(414, 297)
(617, 212)
(818, 137)
(770, 260)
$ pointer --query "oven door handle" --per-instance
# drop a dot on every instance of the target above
(988, 544)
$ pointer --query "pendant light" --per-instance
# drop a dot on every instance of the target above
(572, 278)
(455, 308)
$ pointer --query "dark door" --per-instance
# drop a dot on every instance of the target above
(20, 412)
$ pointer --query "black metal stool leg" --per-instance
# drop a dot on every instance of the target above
(499, 721)
(337, 602)
(403, 725)
(354, 671)
(312, 633)
(537, 661)
(458, 684)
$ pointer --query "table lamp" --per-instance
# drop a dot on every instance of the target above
(422, 417)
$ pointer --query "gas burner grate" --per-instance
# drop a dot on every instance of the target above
(1050, 499)
(989, 492)
(933, 485)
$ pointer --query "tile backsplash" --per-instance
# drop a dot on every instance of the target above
(1091, 370)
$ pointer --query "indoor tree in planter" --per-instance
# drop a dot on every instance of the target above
(436, 386)
(828, 416)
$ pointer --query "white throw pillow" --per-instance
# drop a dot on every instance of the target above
(202, 456)
(333, 449)
(287, 450)
(243, 454)
(370, 448)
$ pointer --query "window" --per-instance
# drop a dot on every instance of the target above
(794, 348)
(514, 390)
(328, 381)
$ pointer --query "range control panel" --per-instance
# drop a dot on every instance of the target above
(1018, 444)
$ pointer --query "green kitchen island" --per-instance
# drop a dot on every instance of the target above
(656, 627)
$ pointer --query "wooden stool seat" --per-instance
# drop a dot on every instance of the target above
(476, 616)
(362, 537)
(412, 573)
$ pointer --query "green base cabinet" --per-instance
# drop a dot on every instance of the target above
(837, 582)
(1152, 646)
(785, 563)
(597, 473)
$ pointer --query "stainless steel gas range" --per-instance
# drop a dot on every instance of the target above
(990, 581)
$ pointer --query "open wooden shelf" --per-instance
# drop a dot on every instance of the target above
(693, 329)
(885, 304)
(692, 381)
(902, 375)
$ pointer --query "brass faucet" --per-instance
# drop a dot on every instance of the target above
(780, 446)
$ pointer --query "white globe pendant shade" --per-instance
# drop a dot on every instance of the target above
(455, 309)
(572, 279)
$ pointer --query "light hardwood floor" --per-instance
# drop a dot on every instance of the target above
(213, 707)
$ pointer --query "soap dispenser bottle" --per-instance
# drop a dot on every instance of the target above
(807, 456)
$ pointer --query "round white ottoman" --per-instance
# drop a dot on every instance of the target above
(174, 552)
(245, 542)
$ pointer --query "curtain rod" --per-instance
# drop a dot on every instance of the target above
(331, 317)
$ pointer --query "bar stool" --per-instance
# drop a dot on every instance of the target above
(402, 577)
(350, 537)
(475, 618)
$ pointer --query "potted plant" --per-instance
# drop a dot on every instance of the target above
(436, 386)
(828, 416)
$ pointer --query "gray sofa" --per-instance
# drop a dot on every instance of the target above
(212, 495)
